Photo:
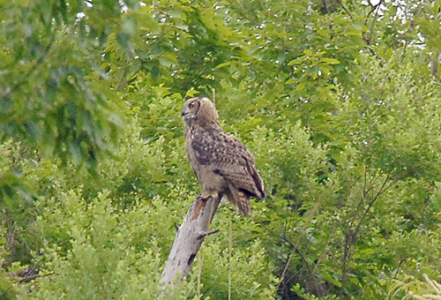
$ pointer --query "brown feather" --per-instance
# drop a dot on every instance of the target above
(221, 163)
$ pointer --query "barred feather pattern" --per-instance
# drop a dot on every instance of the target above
(221, 163)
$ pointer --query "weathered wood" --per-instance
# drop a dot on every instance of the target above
(189, 238)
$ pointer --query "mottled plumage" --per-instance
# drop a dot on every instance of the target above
(221, 163)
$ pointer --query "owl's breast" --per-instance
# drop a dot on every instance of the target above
(207, 173)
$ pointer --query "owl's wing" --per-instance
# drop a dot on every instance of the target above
(230, 158)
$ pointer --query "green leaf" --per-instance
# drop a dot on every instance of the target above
(330, 61)
(300, 87)
(297, 61)
(165, 62)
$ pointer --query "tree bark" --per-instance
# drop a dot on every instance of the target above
(189, 238)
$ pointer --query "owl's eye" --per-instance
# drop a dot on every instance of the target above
(192, 105)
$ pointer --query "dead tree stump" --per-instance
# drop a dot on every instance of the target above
(189, 238)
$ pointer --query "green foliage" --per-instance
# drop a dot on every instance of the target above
(46, 74)
(242, 268)
(7, 284)
(102, 251)
(108, 255)
(337, 100)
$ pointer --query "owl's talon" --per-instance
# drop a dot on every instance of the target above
(205, 197)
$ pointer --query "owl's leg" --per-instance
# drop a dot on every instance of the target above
(206, 195)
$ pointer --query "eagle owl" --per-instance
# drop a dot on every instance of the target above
(221, 163)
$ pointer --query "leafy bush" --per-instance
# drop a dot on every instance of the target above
(337, 100)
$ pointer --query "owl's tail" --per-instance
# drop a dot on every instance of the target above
(240, 200)
(244, 204)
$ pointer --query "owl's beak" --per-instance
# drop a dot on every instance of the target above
(184, 111)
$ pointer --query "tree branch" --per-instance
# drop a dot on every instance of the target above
(366, 39)
(31, 70)
(375, 9)
(189, 238)
(352, 236)
(346, 10)
(326, 6)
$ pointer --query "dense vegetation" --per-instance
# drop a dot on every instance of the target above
(339, 101)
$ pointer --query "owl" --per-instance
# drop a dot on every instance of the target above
(221, 163)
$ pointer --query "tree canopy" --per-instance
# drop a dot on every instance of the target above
(338, 100)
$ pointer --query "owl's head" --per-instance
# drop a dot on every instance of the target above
(201, 111)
